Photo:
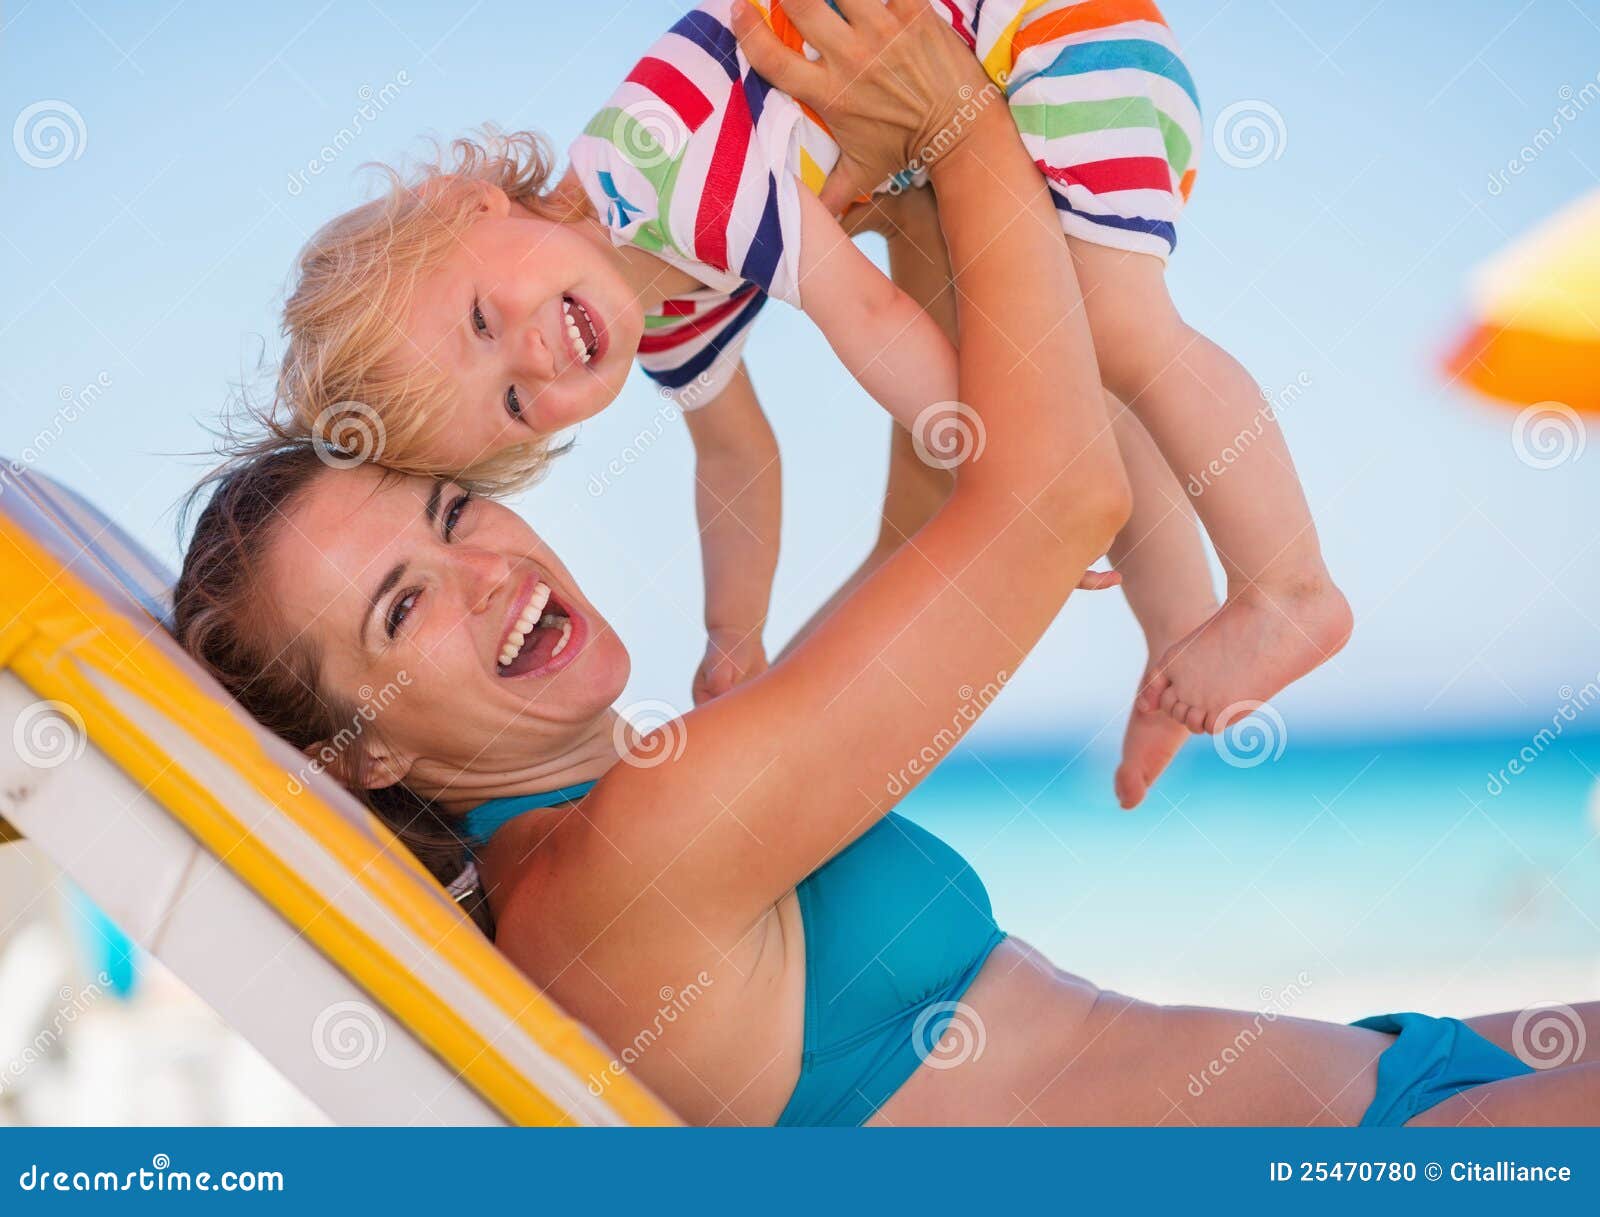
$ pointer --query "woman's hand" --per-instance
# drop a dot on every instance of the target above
(893, 83)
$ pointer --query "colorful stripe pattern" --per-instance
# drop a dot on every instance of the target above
(698, 160)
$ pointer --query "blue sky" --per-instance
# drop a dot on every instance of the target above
(151, 266)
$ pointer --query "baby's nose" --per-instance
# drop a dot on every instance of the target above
(534, 353)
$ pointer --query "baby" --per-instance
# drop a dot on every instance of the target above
(477, 312)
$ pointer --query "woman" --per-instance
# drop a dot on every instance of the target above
(750, 849)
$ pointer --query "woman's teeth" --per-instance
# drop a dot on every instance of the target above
(532, 613)
(571, 310)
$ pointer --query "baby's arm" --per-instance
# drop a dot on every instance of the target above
(895, 350)
(738, 501)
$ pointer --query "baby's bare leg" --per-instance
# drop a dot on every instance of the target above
(1283, 615)
(1168, 584)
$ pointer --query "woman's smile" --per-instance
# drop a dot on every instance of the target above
(542, 635)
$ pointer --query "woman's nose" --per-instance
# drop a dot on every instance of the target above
(483, 573)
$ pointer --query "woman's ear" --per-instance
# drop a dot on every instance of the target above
(367, 766)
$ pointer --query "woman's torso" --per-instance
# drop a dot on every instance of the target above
(714, 1019)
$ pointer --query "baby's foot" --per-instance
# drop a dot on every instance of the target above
(1148, 746)
(1258, 642)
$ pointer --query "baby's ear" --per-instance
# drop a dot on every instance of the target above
(490, 199)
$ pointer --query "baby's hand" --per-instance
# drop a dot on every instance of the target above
(1098, 580)
(733, 656)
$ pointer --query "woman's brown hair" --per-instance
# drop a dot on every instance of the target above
(225, 620)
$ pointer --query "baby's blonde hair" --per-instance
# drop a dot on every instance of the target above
(339, 381)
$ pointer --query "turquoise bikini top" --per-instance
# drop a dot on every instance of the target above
(897, 925)
(484, 820)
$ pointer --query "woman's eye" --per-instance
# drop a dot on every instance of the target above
(513, 402)
(399, 611)
(478, 323)
(452, 517)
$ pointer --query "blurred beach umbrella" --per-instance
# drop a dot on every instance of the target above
(1535, 329)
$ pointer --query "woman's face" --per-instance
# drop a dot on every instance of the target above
(534, 325)
(445, 615)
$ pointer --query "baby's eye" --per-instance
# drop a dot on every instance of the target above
(479, 324)
(399, 611)
(513, 402)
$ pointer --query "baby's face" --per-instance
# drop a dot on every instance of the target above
(534, 325)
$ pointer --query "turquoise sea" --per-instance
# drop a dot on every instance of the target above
(1335, 879)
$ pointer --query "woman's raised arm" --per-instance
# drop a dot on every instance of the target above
(777, 776)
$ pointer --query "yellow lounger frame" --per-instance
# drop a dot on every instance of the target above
(67, 643)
